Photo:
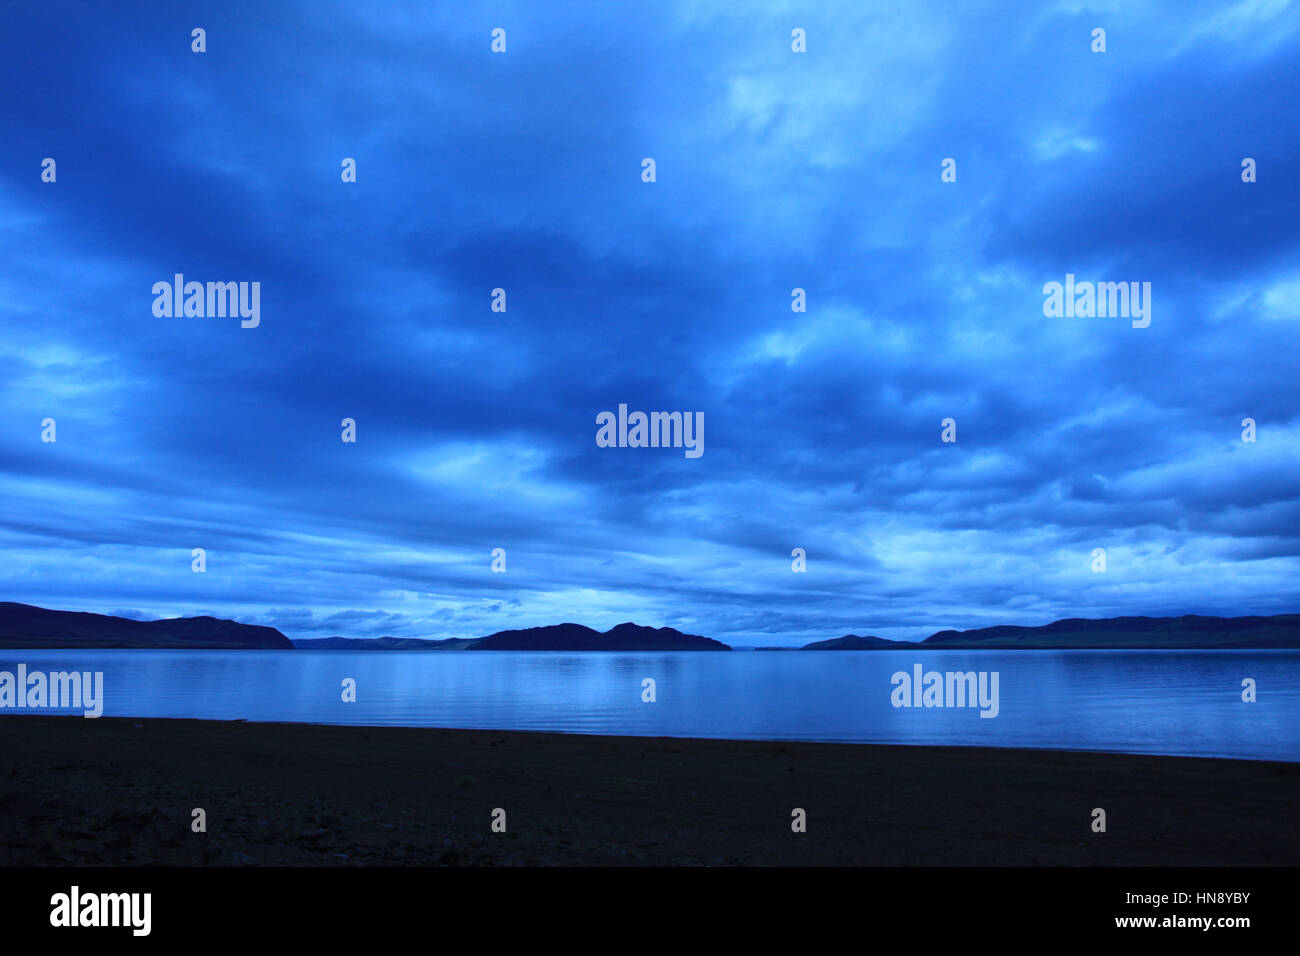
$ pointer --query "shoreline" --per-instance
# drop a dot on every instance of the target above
(632, 738)
(121, 791)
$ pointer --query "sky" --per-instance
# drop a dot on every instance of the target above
(774, 170)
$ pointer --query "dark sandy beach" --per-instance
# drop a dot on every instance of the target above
(121, 791)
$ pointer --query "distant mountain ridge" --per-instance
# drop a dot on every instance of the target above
(1191, 631)
(576, 637)
(852, 642)
(380, 643)
(553, 637)
(27, 626)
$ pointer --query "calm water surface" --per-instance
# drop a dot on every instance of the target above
(1166, 702)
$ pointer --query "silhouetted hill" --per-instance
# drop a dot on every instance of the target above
(26, 626)
(576, 637)
(852, 642)
(381, 644)
(1187, 632)
(554, 637)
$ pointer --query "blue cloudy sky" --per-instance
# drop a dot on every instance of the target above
(775, 170)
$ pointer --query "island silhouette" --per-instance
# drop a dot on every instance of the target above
(28, 626)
